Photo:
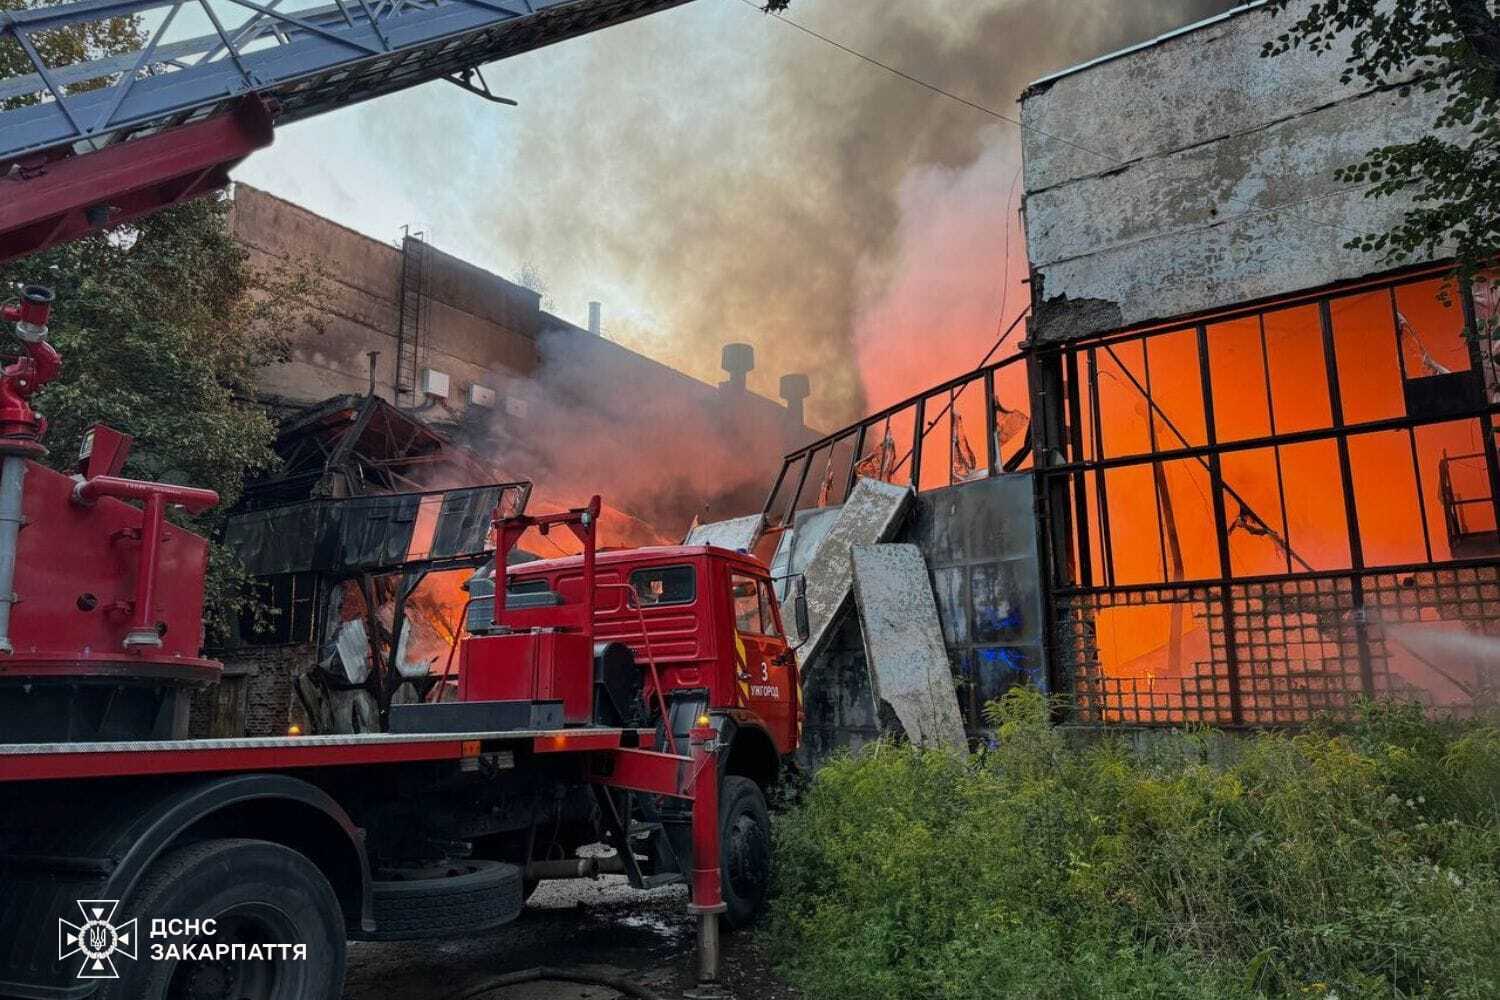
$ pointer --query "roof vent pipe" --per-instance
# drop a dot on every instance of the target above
(595, 326)
(739, 361)
(795, 388)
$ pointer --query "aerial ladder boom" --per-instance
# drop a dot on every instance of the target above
(115, 137)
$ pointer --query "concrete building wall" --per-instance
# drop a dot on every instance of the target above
(574, 411)
(476, 327)
(1191, 174)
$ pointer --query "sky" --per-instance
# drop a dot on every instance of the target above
(711, 174)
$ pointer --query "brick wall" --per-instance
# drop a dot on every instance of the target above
(254, 697)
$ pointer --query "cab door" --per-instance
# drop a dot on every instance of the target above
(763, 678)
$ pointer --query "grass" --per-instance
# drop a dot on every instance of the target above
(1335, 864)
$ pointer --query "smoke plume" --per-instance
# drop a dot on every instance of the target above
(737, 179)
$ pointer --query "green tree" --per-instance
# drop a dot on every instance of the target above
(1448, 47)
(87, 40)
(162, 325)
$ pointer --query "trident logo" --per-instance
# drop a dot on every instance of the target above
(97, 939)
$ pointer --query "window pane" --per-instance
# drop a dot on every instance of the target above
(813, 484)
(834, 472)
(1456, 488)
(787, 495)
(1299, 377)
(1385, 497)
(746, 595)
(1252, 512)
(1318, 532)
(937, 442)
(1085, 412)
(969, 454)
(1238, 371)
(1192, 546)
(665, 585)
(1122, 401)
(1134, 531)
(1176, 390)
(1369, 370)
(1486, 292)
(887, 454)
(767, 614)
(1013, 409)
(1096, 531)
(1432, 331)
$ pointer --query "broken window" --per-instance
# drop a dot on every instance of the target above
(286, 612)
(1338, 449)
(1254, 514)
(1457, 492)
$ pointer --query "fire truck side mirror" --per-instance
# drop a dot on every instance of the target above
(799, 607)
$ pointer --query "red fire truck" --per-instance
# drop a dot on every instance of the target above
(642, 699)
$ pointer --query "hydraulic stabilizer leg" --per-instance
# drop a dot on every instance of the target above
(708, 891)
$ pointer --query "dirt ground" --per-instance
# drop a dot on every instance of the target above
(590, 926)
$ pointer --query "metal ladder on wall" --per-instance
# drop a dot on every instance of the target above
(113, 137)
(413, 301)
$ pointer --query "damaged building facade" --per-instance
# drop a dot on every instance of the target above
(423, 392)
(477, 358)
(1259, 467)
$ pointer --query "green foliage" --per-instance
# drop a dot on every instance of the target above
(59, 48)
(162, 325)
(1452, 173)
(1361, 863)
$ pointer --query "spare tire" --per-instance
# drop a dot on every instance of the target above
(464, 897)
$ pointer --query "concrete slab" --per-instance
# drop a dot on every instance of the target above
(735, 534)
(795, 548)
(872, 514)
(908, 661)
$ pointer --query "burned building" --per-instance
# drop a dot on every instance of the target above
(426, 389)
(477, 358)
(1268, 459)
(1263, 464)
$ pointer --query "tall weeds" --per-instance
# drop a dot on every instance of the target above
(1361, 862)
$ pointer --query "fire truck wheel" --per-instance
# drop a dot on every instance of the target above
(745, 847)
(465, 897)
(258, 894)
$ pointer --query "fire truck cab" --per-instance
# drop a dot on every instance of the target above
(702, 624)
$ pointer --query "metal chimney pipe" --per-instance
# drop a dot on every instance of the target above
(795, 388)
(739, 361)
(595, 324)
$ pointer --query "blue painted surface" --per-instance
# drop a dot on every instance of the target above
(979, 540)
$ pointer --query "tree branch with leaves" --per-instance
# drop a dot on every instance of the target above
(1452, 174)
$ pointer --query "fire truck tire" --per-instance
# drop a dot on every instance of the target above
(257, 893)
(453, 900)
(745, 849)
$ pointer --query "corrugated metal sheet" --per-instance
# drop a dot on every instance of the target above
(366, 533)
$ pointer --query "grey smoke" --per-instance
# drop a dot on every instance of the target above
(740, 173)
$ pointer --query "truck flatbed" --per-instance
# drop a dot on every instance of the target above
(38, 761)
